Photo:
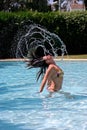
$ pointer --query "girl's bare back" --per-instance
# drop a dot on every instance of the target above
(55, 78)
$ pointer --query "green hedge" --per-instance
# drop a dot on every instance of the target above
(70, 26)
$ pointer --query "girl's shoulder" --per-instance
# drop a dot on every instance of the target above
(53, 66)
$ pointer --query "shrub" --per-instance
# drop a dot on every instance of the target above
(70, 26)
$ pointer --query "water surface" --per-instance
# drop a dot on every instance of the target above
(22, 108)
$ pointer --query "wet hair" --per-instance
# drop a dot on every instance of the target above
(36, 61)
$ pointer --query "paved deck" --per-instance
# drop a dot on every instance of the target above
(64, 59)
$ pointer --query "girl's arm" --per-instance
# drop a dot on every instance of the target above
(45, 78)
(43, 83)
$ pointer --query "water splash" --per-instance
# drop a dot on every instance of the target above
(40, 39)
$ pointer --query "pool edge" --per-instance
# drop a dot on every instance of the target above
(64, 59)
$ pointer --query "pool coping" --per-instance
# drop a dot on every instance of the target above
(60, 59)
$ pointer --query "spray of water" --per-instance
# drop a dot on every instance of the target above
(40, 39)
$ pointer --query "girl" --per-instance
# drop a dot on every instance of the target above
(53, 75)
(50, 72)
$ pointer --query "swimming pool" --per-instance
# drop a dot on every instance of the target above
(22, 108)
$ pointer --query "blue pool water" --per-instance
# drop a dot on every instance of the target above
(22, 108)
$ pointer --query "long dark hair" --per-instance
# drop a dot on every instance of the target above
(36, 61)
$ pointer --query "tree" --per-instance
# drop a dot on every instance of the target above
(40, 5)
(85, 1)
(1, 5)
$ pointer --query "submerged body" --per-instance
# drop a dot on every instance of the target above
(53, 76)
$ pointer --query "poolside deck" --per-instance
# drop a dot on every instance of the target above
(56, 59)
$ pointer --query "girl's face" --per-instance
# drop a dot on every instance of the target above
(48, 59)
